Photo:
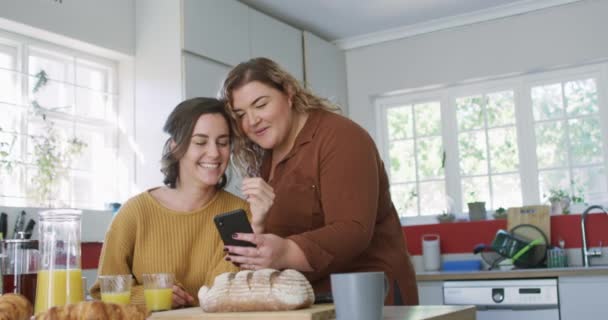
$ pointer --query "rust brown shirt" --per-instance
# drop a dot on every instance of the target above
(332, 199)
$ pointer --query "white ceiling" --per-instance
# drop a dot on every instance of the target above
(344, 21)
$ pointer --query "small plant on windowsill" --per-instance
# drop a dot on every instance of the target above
(500, 213)
(561, 201)
(446, 217)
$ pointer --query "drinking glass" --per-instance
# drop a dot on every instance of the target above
(158, 290)
(20, 267)
(116, 288)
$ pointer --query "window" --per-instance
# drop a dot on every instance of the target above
(415, 150)
(487, 146)
(504, 142)
(59, 123)
(569, 142)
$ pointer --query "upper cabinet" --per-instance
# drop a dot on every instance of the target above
(278, 41)
(202, 77)
(325, 69)
(217, 29)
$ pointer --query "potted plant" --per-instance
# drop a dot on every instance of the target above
(446, 217)
(559, 200)
(477, 209)
(500, 213)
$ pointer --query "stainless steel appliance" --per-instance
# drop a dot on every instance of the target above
(506, 299)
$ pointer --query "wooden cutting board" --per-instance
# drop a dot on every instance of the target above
(315, 312)
(535, 215)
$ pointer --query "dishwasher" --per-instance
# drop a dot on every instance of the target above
(506, 299)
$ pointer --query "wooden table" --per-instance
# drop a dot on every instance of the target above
(390, 313)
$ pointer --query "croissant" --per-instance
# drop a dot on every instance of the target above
(94, 310)
(14, 306)
(261, 290)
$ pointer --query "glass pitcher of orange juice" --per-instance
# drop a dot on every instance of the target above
(59, 274)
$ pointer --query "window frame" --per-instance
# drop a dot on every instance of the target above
(110, 125)
(521, 85)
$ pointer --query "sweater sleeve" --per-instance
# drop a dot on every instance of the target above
(349, 188)
(117, 251)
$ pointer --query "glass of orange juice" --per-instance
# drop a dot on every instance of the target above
(158, 291)
(116, 288)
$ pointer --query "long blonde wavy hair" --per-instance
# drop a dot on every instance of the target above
(247, 155)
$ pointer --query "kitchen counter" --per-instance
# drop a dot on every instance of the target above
(390, 313)
(513, 274)
(429, 313)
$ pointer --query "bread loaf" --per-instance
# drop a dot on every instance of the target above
(261, 290)
(15, 307)
(94, 310)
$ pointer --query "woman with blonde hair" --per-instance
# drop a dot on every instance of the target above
(332, 212)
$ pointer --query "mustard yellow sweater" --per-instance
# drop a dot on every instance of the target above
(146, 237)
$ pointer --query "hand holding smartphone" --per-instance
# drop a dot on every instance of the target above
(233, 222)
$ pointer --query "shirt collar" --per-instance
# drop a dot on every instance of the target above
(305, 136)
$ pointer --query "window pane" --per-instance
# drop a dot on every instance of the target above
(92, 104)
(585, 141)
(470, 113)
(402, 161)
(547, 102)
(506, 191)
(11, 182)
(592, 183)
(428, 119)
(475, 189)
(94, 151)
(552, 179)
(473, 156)
(57, 195)
(400, 122)
(8, 77)
(10, 119)
(404, 198)
(57, 68)
(430, 157)
(10, 146)
(432, 197)
(500, 109)
(581, 97)
(83, 189)
(54, 96)
(92, 78)
(503, 150)
(40, 132)
(551, 143)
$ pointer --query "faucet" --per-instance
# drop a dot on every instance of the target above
(586, 252)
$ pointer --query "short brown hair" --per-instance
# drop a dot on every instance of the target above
(180, 125)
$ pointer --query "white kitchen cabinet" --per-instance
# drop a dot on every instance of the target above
(583, 297)
(278, 41)
(430, 292)
(325, 69)
(202, 77)
(217, 29)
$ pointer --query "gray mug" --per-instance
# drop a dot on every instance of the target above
(359, 295)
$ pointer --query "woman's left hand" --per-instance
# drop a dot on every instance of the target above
(260, 197)
(271, 252)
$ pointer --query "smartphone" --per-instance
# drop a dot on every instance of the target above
(233, 222)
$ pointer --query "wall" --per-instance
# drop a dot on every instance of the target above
(566, 35)
(158, 82)
(107, 23)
